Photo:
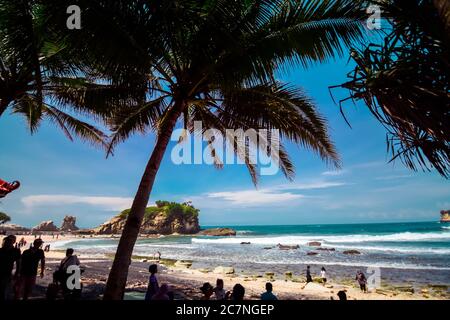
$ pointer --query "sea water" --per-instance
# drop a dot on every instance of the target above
(404, 252)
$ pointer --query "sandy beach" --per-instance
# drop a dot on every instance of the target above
(185, 282)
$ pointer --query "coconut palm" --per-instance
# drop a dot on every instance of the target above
(212, 61)
(40, 80)
(404, 81)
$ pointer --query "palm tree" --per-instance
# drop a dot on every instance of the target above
(404, 81)
(4, 218)
(212, 61)
(39, 79)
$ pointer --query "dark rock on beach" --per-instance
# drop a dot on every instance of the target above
(351, 252)
(218, 232)
(314, 244)
(286, 247)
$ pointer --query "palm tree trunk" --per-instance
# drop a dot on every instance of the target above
(115, 286)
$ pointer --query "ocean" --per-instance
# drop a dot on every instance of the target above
(413, 253)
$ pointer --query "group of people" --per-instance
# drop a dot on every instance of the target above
(156, 292)
(323, 275)
(26, 265)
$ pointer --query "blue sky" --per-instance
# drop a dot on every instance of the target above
(60, 177)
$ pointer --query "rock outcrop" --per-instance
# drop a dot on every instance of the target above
(445, 216)
(165, 218)
(218, 232)
(314, 244)
(68, 224)
(12, 228)
(351, 252)
(45, 226)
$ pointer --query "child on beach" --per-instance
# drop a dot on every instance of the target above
(219, 291)
(238, 292)
(153, 286)
(323, 275)
(162, 294)
(207, 290)
(268, 295)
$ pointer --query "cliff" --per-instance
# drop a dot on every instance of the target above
(45, 226)
(69, 224)
(165, 218)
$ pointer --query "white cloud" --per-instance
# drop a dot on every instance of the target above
(334, 173)
(311, 185)
(255, 197)
(394, 177)
(105, 203)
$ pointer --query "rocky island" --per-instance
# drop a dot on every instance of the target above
(164, 218)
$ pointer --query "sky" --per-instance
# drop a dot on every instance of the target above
(60, 177)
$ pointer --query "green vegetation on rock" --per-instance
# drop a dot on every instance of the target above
(4, 218)
(170, 209)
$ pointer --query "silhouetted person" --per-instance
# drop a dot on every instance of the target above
(162, 294)
(219, 291)
(207, 291)
(362, 281)
(8, 256)
(342, 295)
(153, 286)
(238, 292)
(29, 268)
(268, 295)
(308, 275)
(323, 275)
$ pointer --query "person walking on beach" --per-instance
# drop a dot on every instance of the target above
(8, 256)
(308, 275)
(323, 275)
(153, 286)
(219, 291)
(362, 281)
(268, 295)
(207, 291)
(29, 267)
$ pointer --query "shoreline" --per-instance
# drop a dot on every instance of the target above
(185, 282)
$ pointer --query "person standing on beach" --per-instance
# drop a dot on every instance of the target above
(362, 281)
(323, 275)
(219, 291)
(153, 286)
(308, 275)
(268, 295)
(29, 267)
(8, 256)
